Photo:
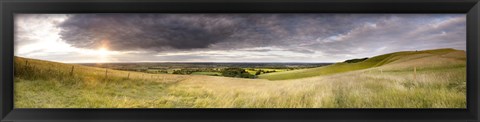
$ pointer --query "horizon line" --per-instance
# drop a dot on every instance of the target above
(185, 62)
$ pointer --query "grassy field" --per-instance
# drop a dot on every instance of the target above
(254, 71)
(386, 81)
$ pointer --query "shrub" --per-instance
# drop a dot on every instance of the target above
(355, 60)
(236, 72)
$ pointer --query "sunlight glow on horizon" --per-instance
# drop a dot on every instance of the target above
(103, 52)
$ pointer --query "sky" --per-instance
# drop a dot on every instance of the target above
(100, 38)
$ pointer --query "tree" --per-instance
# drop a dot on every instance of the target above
(258, 72)
(355, 60)
(236, 72)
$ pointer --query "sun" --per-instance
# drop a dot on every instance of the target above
(103, 52)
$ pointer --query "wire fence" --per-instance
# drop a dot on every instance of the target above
(41, 70)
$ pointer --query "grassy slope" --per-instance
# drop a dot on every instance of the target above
(345, 67)
(47, 84)
(440, 83)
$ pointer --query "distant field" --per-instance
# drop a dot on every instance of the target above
(413, 79)
(207, 73)
(254, 71)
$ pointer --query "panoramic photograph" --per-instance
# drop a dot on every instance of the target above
(159, 60)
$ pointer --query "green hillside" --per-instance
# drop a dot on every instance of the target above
(377, 61)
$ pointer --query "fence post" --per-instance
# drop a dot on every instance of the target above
(128, 76)
(26, 66)
(106, 71)
(381, 71)
(71, 72)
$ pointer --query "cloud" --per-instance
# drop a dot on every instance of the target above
(166, 32)
(397, 33)
(154, 32)
(32, 30)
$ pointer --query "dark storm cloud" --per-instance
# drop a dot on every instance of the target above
(310, 34)
(145, 31)
(161, 32)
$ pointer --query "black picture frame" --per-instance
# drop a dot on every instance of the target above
(11, 7)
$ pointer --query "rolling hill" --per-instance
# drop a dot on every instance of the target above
(400, 60)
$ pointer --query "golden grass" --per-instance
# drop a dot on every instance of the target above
(360, 89)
